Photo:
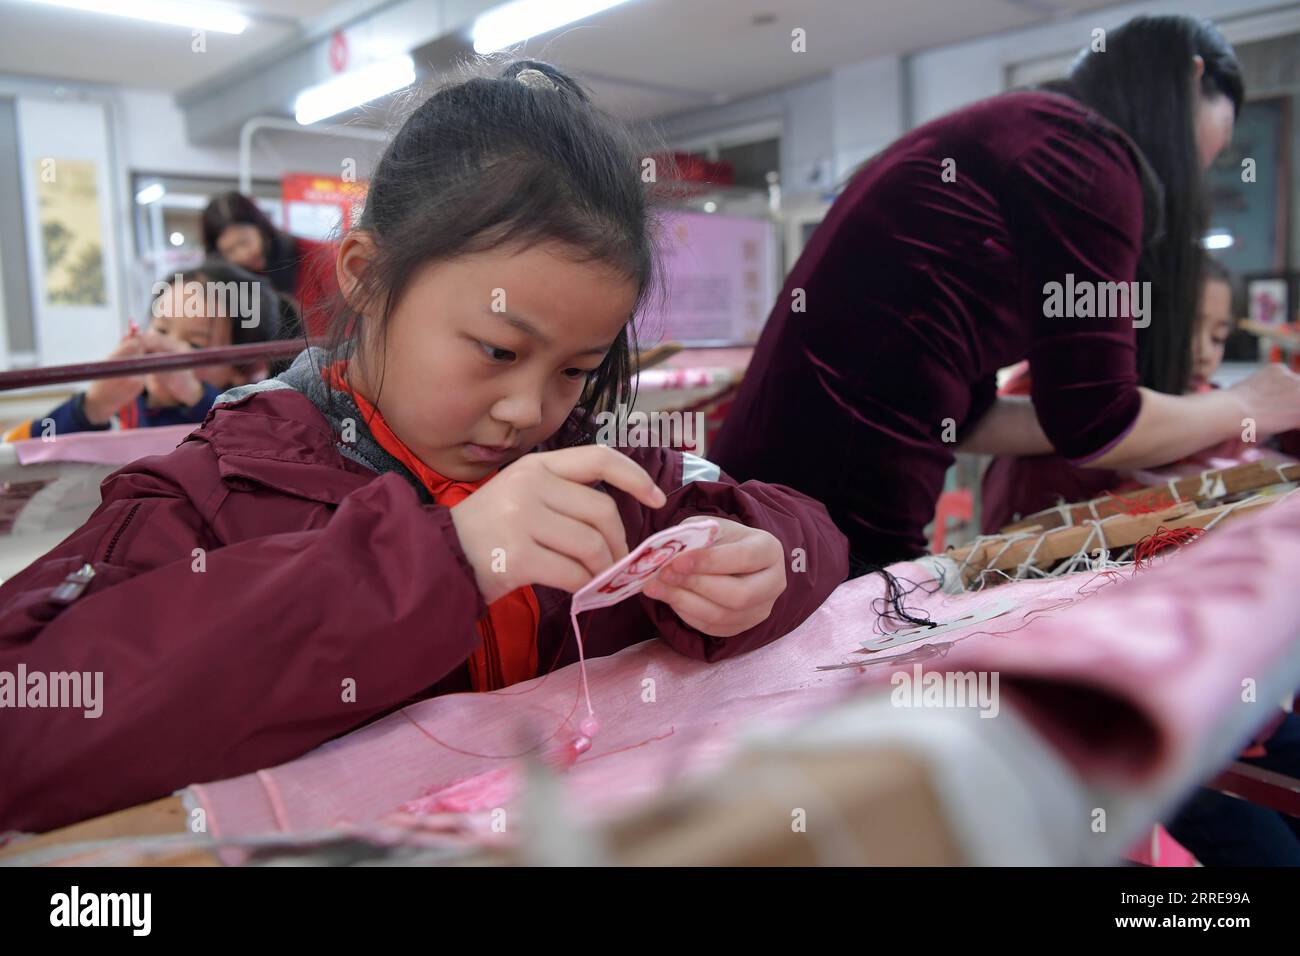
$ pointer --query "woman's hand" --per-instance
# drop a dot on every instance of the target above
(1171, 427)
(537, 522)
(104, 396)
(1270, 396)
(728, 587)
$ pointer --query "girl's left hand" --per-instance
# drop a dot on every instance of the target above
(728, 587)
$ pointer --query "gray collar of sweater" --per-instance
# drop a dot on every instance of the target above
(304, 376)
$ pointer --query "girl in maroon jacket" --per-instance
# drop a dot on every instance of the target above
(372, 518)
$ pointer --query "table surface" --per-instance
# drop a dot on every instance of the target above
(163, 817)
(710, 358)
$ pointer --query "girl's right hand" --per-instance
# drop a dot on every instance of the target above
(104, 396)
(1271, 397)
(538, 522)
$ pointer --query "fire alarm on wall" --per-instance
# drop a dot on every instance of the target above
(338, 52)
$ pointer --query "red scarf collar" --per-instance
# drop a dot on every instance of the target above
(509, 630)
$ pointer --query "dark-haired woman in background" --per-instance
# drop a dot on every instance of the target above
(932, 271)
(235, 229)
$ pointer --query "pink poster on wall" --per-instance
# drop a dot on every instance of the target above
(719, 278)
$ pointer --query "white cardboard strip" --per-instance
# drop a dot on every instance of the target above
(911, 635)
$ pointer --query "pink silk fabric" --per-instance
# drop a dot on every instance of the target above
(1126, 675)
(103, 448)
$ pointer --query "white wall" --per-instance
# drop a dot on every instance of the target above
(866, 110)
(808, 142)
(4, 324)
(842, 118)
(946, 78)
(801, 115)
(153, 134)
(55, 132)
(827, 126)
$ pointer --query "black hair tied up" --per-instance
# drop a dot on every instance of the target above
(1143, 84)
(523, 157)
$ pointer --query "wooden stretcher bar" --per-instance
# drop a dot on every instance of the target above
(1286, 335)
(1236, 480)
(655, 355)
(1116, 532)
(162, 817)
(1262, 787)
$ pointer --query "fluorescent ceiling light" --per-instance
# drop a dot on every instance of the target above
(185, 201)
(1218, 240)
(353, 88)
(196, 16)
(518, 20)
(150, 194)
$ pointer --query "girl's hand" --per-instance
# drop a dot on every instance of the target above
(727, 587)
(537, 522)
(104, 396)
(180, 387)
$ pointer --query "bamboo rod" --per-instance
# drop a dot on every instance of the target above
(157, 362)
(195, 358)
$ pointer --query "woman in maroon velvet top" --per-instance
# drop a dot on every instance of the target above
(933, 270)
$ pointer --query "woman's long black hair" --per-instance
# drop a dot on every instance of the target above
(1142, 83)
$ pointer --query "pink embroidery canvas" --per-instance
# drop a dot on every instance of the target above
(1132, 678)
(103, 448)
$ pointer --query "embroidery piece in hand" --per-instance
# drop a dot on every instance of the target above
(621, 581)
(630, 575)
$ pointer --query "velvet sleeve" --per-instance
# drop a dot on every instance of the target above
(1074, 202)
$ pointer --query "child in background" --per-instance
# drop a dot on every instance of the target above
(409, 512)
(182, 318)
(1015, 487)
(1219, 830)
